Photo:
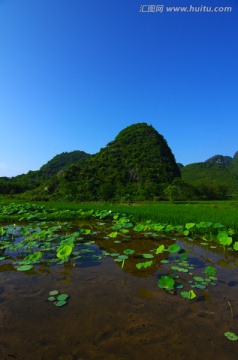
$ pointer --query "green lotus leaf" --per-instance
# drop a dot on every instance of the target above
(113, 234)
(139, 227)
(62, 297)
(188, 294)
(200, 286)
(174, 248)
(60, 303)
(129, 251)
(122, 257)
(24, 267)
(189, 225)
(32, 257)
(198, 278)
(148, 256)
(64, 251)
(231, 336)
(160, 249)
(204, 224)
(53, 292)
(166, 282)
(235, 246)
(144, 264)
(210, 271)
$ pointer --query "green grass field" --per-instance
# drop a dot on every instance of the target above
(224, 212)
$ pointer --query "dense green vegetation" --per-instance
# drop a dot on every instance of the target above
(215, 178)
(43, 236)
(138, 165)
(33, 179)
(224, 212)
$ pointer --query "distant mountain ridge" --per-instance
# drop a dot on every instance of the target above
(219, 170)
(33, 179)
(138, 164)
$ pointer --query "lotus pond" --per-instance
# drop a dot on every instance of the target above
(86, 285)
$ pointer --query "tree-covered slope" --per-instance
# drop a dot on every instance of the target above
(33, 179)
(63, 160)
(218, 171)
(137, 164)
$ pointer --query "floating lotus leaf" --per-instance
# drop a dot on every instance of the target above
(122, 257)
(60, 303)
(62, 297)
(64, 251)
(164, 261)
(198, 278)
(113, 234)
(145, 264)
(199, 286)
(24, 267)
(210, 271)
(231, 336)
(166, 282)
(148, 256)
(174, 248)
(188, 294)
(160, 249)
(129, 251)
(53, 292)
(32, 257)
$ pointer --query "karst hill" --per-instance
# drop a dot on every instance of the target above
(137, 164)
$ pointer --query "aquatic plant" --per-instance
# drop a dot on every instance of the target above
(144, 264)
(188, 294)
(166, 282)
(210, 271)
(64, 251)
(58, 299)
(231, 336)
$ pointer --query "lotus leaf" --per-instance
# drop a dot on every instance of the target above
(148, 256)
(231, 336)
(144, 264)
(166, 282)
(210, 271)
(54, 292)
(160, 249)
(24, 267)
(64, 251)
(188, 294)
(62, 297)
(174, 248)
(60, 303)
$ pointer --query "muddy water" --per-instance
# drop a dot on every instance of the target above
(116, 313)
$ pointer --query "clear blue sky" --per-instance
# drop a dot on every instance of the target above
(73, 73)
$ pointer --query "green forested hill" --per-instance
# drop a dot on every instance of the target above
(218, 172)
(137, 164)
(63, 160)
(33, 179)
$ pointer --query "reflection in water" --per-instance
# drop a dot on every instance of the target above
(117, 312)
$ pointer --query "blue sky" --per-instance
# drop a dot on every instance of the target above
(74, 73)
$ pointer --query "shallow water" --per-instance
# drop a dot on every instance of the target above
(118, 313)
